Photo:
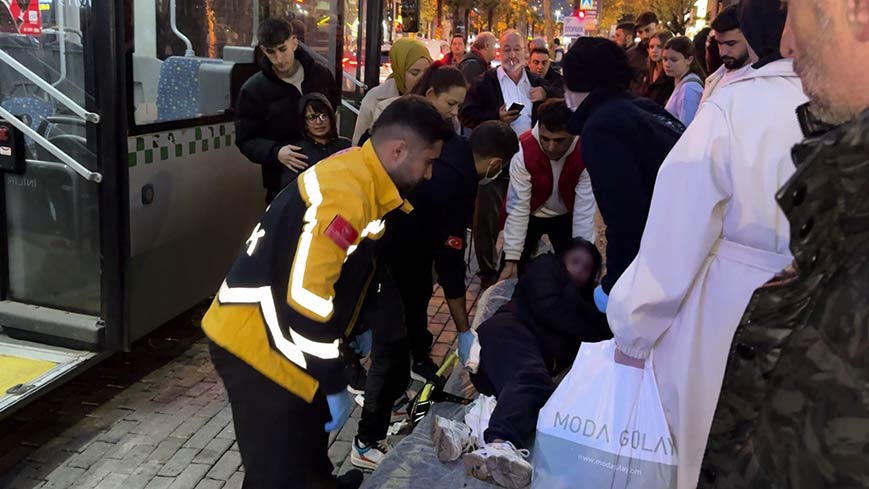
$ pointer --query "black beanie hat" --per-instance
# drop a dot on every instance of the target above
(762, 22)
(595, 62)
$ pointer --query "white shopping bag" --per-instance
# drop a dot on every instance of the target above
(604, 427)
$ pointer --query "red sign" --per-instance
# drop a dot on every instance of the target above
(342, 232)
(26, 15)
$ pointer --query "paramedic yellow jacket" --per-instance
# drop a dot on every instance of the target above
(300, 278)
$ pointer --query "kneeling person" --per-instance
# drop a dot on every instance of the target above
(550, 190)
(523, 346)
(294, 290)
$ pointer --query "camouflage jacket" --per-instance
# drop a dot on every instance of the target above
(794, 406)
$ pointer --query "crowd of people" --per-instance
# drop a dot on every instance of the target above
(728, 170)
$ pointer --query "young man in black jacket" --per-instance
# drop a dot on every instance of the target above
(624, 141)
(265, 116)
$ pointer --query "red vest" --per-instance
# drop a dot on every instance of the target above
(539, 166)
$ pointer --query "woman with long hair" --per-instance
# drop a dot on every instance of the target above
(681, 63)
(659, 86)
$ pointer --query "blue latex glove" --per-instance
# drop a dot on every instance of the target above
(600, 299)
(340, 406)
(466, 339)
(361, 344)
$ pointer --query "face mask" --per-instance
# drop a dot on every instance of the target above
(486, 180)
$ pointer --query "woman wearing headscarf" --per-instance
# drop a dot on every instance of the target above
(409, 59)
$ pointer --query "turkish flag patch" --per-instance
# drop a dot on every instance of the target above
(454, 243)
(342, 232)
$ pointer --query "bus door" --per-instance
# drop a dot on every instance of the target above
(59, 253)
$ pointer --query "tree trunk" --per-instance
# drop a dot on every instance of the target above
(439, 13)
(548, 24)
(491, 14)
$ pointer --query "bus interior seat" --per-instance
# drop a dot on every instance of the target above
(215, 80)
(178, 90)
(239, 54)
(30, 109)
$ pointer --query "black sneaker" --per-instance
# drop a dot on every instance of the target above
(351, 479)
(355, 376)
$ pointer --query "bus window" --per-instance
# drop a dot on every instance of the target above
(194, 74)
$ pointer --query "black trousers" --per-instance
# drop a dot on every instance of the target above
(282, 439)
(558, 229)
(413, 276)
(389, 374)
(513, 369)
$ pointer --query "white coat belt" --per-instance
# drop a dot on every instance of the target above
(766, 260)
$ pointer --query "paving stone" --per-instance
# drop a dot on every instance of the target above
(207, 433)
(178, 462)
(128, 443)
(137, 456)
(63, 477)
(91, 455)
(235, 481)
(212, 408)
(440, 350)
(166, 450)
(118, 431)
(226, 466)
(213, 451)
(228, 432)
(189, 427)
(190, 477)
(97, 473)
(447, 337)
(199, 388)
(113, 481)
(26, 484)
(209, 484)
(160, 483)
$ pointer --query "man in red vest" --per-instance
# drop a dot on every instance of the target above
(550, 191)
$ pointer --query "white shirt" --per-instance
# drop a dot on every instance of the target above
(519, 203)
(723, 76)
(517, 93)
(296, 78)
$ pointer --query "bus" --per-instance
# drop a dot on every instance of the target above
(133, 199)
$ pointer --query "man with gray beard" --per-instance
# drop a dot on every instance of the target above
(794, 409)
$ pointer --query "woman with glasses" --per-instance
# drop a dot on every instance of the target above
(320, 138)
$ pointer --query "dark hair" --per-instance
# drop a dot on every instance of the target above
(494, 139)
(274, 32)
(629, 28)
(646, 18)
(553, 114)
(539, 51)
(460, 37)
(685, 46)
(440, 78)
(727, 20)
(700, 43)
(321, 105)
(415, 114)
(556, 41)
(597, 259)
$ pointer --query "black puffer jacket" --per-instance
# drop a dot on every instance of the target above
(266, 116)
(624, 141)
(794, 406)
(316, 152)
(559, 314)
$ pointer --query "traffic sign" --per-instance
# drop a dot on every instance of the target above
(573, 27)
(586, 4)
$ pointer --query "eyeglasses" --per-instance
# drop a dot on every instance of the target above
(317, 117)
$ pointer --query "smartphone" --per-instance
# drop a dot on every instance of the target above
(517, 107)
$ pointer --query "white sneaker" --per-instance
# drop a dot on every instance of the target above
(451, 439)
(368, 457)
(502, 462)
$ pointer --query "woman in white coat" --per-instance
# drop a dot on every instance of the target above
(714, 234)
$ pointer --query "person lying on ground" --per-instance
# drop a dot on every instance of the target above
(523, 347)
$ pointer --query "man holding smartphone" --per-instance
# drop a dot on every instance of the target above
(511, 93)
